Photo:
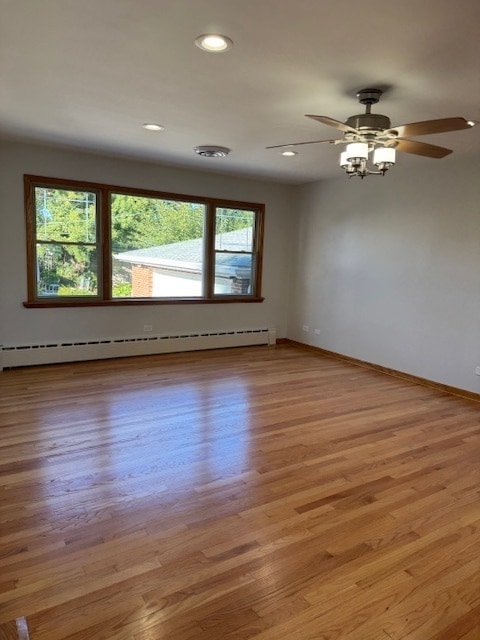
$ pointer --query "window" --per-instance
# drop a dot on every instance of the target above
(66, 242)
(92, 244)
(234, 251)
(157, 247)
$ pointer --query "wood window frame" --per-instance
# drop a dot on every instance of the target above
(104, 261)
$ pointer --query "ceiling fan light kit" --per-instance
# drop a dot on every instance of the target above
(354, 159)
(372, 132)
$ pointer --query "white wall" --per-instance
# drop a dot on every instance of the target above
(24, 326)
(388, 269)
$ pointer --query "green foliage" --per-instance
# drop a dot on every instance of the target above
(73, 291)
(67, 265)
(68, 220)
(139, 222)
(65, 216)
(123, 290)
(233, 219)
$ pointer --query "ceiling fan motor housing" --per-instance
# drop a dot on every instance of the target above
(369, 122)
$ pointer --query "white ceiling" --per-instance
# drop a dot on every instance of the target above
(88, 73)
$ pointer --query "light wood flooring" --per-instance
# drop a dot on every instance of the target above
(263, 492)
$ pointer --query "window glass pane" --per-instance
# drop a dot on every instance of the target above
(233, 273)
(234, 229)
(65, 216)
(157, 247)
(66, 270)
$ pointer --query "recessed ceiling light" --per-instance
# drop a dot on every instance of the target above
(214, 42)
(210, 151)
(289, 153)
(152, 126)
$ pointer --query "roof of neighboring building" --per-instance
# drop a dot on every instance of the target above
(187, 255)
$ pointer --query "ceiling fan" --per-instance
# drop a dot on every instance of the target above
(369, 132)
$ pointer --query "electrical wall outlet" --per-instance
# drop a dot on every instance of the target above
(147, 327)
(317, 332)
(306, 328)
(477, 371)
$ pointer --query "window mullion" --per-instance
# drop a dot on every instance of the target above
(209, 248)
(32, 259)
(56, 243)
(105, 244)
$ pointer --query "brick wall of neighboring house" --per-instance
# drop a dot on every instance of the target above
(142, 281)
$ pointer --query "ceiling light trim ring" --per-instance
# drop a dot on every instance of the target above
(211, 151)
(214, 42)
(153, 126)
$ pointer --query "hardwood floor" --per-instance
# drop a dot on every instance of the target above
(262, 492)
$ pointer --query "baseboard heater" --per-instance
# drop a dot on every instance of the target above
(74, 351)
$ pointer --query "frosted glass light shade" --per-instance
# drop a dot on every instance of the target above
(384, 155)
(357, 150)
(343, 160)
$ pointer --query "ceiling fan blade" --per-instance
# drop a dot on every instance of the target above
(341, 126)
(421, 148)
(430, 126)
(297, 144)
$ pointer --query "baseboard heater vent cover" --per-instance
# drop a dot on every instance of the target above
(75, 350)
